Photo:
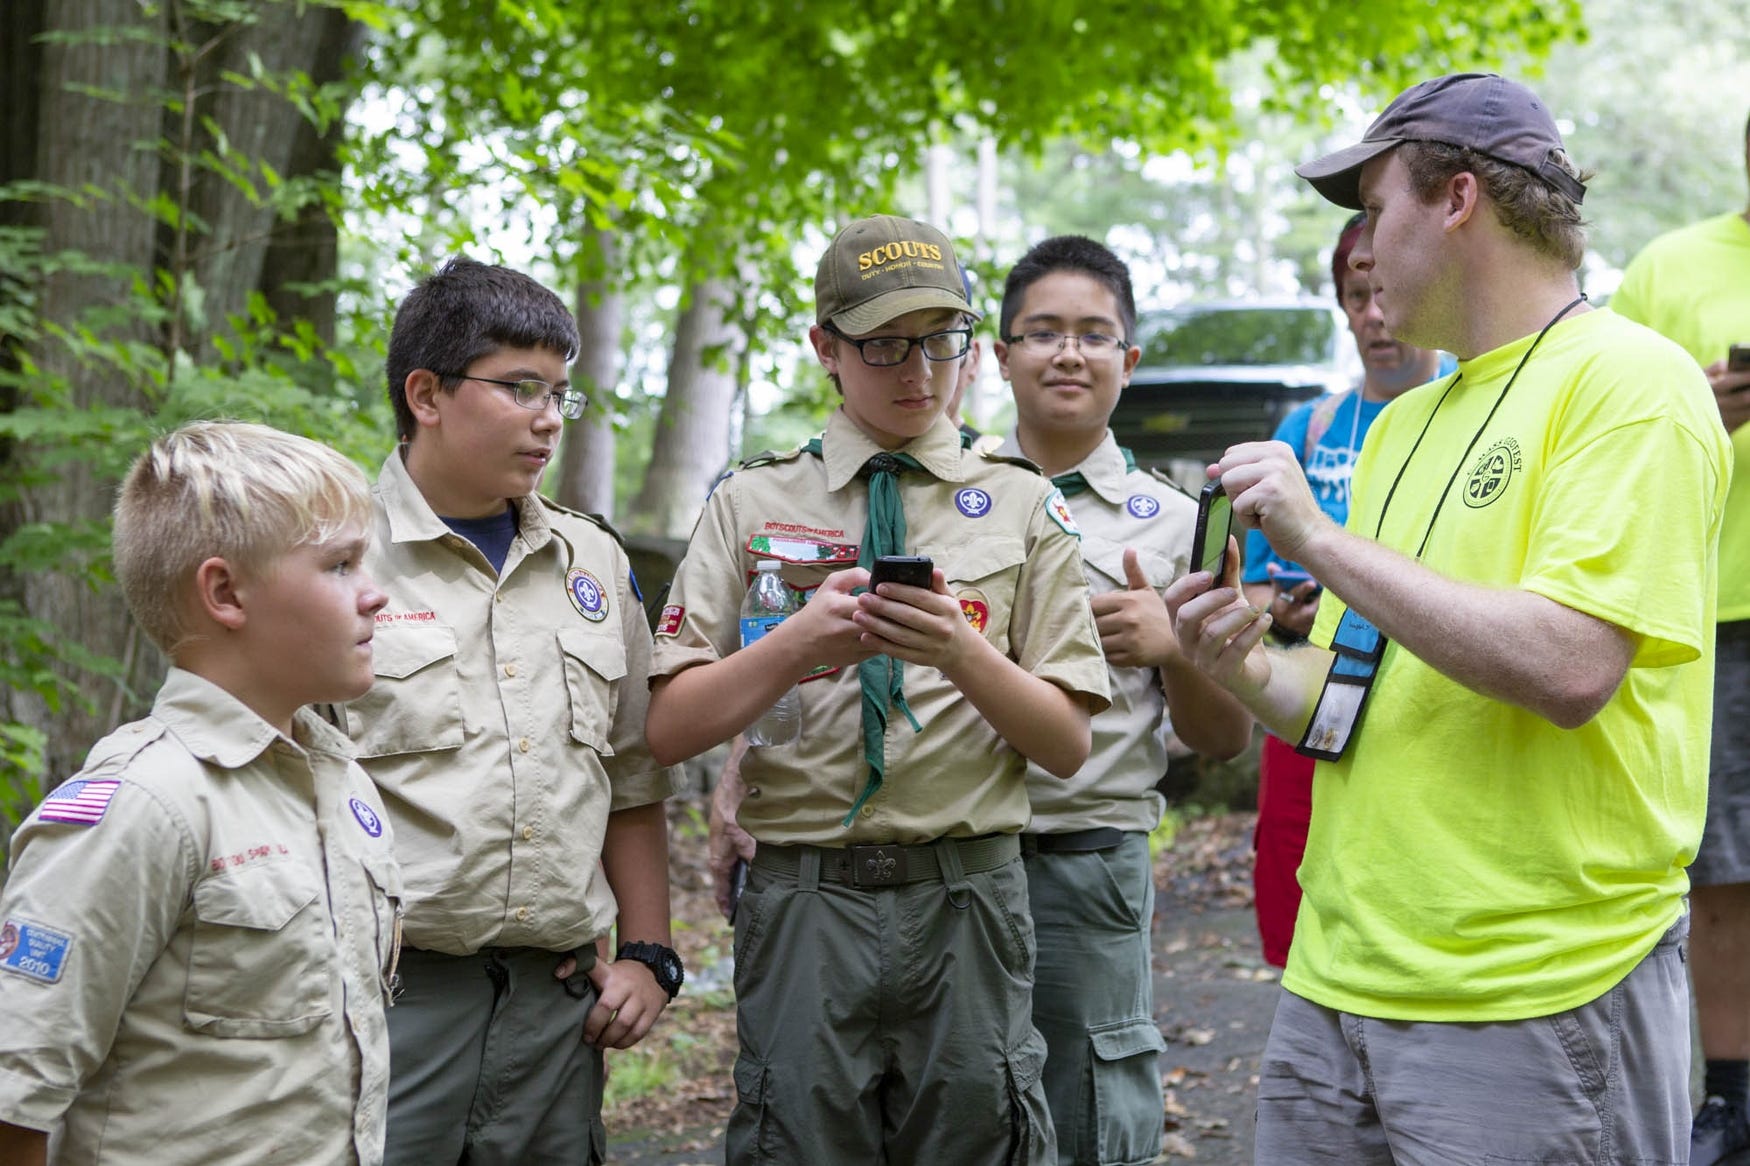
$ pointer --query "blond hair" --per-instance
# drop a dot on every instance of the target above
(228, 489)
(1539, 214)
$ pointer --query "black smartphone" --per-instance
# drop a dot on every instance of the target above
(1215, 522)
(737, 883)
(1738, 358)
(911, 570)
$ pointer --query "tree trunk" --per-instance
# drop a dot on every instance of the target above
(306, 250)
(82, 140)
(586, 457)
(692, 431)
(259, 127)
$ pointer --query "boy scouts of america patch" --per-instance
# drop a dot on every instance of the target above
(587, 594)
(975, 609)
(1059, 511)
(670, 623)
(1142, 506)
(78, 803)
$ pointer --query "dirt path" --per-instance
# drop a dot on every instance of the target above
(1213, 1001)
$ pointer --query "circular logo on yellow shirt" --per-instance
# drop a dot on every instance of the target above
(1491, 473)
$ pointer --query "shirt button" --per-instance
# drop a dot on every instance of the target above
(867, 809)
(498, 597)
(522, 746)
(522, 913)
(510, 669)
(528, 833)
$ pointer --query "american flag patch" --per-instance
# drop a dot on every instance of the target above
(79, 803)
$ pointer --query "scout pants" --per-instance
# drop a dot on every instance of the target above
(888, 1022)
(1093, 997)
(487, 1063)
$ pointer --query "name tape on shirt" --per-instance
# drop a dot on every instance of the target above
(30, 949)
(78, 803)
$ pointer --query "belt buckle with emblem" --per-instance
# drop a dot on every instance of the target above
(876, 866)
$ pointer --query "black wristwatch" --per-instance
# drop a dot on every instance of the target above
(662, 961)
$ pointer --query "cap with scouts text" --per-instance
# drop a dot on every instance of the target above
(1475, 111)
(882, 267)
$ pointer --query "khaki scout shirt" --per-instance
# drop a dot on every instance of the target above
(1007, 554)
(1122, 508)
(195, 973)
(506, 721)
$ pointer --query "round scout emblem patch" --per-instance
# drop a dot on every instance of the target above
(972, 502)
(587, 594)
(1492, 472)
(976, 611)
(1142, 506)
(367, 818)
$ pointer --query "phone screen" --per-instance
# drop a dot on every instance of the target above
(911, 570)
(1215, 516)
(1738, 358)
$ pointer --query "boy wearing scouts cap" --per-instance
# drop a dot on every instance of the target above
(505, 730)
(1507, 685)
(198, 933)
(1067, 347)
(884, 952)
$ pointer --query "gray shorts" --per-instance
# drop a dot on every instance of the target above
(1605, 1084)
(1725, 843)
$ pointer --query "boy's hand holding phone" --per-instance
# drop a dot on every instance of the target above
(1730, 381)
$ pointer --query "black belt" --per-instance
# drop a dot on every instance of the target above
(889, 864)
(1075, 841)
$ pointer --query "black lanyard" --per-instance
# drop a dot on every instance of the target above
(1475, 437)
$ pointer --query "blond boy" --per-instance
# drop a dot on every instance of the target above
(199, 928)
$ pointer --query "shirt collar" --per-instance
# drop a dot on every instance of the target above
(217, 728)
(1104, 468)
(845, 448)
(411, 518)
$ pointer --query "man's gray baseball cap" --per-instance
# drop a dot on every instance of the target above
(1477, 111)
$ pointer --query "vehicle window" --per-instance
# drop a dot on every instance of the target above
(1190, 337)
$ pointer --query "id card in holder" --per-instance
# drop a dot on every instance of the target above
(1358, 647)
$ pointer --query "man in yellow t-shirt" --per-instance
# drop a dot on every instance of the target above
(1508, 685)
(1693, 285)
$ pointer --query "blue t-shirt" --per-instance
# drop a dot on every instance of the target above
(492, 535)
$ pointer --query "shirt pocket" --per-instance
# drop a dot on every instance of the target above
(258, 965)
(415, 703)
(983, 575)
(594, 667)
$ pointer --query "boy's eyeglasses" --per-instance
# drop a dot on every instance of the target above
(536, 394)
(887, 351)
(1047, 343)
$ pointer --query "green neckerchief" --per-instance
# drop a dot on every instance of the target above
(1073, 483)
(882, 677)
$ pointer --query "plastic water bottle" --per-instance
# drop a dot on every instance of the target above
(769, 600)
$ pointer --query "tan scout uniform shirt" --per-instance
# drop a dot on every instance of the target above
(506, 721)
(1122, 508)
(1016, 570)
(208, 952)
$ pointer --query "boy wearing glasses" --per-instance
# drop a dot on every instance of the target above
(1067, 318)
(884, 950)
(505, 730)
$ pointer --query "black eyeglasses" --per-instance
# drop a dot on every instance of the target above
(887, 351)
(1047, 343)
(532, 394)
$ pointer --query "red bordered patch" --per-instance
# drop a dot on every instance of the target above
(670, 623)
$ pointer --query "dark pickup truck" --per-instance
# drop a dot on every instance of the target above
(1215, 373)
